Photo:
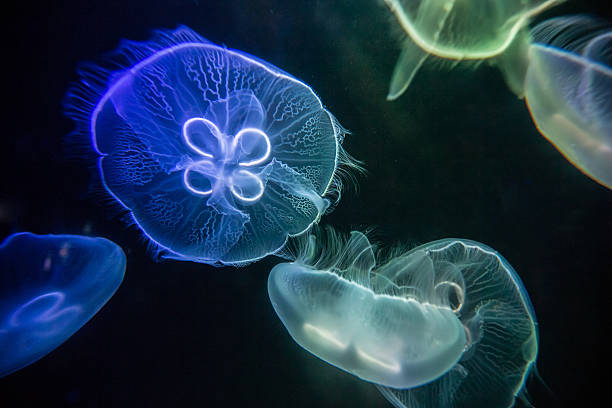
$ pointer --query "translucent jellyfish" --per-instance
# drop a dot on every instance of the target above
(218, 156)
(447, 324)
(50, 286)
(459, 30)
(568, 89)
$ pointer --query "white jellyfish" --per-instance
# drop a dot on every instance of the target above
(445, 324)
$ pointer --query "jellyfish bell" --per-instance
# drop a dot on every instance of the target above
(218, 156)
(445, 324)
(50, 286)
(568, 89)
(457, 30)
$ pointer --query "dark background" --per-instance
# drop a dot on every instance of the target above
(456, 156)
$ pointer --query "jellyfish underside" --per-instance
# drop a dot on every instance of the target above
(569, 94)
(50, 286)
(456, 30)
(447, 324)
(218, 156)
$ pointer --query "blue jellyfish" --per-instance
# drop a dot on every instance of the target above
(50, 286)
(568, 89)
(446, 324)
(218, 155)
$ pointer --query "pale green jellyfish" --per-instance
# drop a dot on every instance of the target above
(459, 30)
(568, 89)
(447, 324)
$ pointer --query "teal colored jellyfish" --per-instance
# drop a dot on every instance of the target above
(568, 89)
(218, 156)
(50, 286)
(446, 324)
(460, 30)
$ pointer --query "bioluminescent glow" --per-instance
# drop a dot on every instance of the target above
(568, 89)
(445, 324)
(457, 30)
(50, 286)
(325, 335)
(222, 165)
(219, 156)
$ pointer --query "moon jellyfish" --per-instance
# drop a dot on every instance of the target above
(218, 156)
(446, 324)
(458, 30)
(50, 286)
(568, 89)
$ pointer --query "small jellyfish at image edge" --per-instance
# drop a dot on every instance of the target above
(446, 324)
(50, 286)
(568, 90)
(218, 156)
(460, 30)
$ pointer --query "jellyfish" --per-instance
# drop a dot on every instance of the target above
(217, 155)
(50, 286)
(460, 30)
(568, 89)
(446, 324)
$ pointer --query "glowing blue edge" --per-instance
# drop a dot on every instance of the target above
(577, 58)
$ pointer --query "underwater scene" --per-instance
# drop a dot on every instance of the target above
(369, 203)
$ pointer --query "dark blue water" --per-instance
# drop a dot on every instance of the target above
(456, 156)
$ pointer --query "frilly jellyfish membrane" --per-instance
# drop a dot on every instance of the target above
(568, 90)
(446, 324)
(217, 156)
(460, 30)
(50, 286)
